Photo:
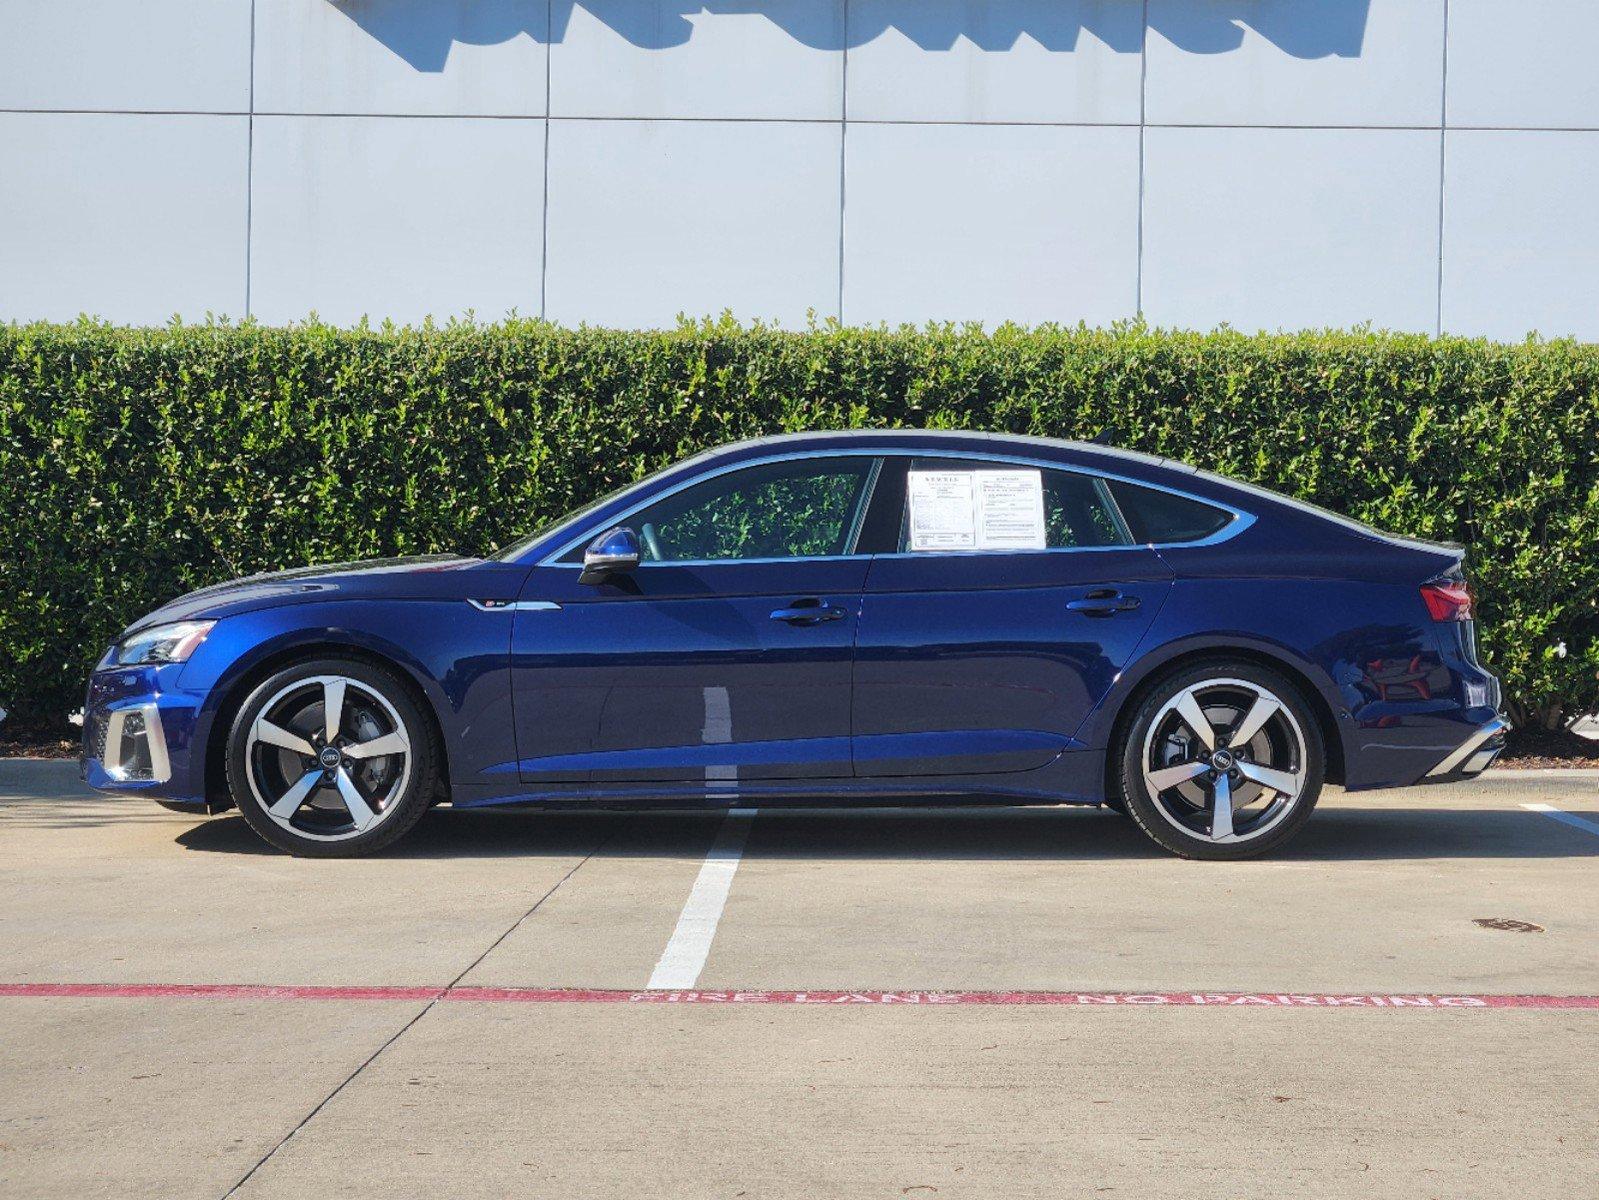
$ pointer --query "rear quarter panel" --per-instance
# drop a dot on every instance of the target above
(1343, 612)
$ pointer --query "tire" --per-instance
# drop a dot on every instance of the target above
(357, 803)
(1243, 785)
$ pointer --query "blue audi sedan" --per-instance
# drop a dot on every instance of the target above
(861, 618)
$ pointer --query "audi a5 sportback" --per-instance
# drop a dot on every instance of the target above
(843, 618)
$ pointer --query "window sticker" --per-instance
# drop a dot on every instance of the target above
(943, 508)
(1010, 510)
(976, 510)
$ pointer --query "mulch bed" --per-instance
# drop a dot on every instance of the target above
(1541, 748)
(41, 746)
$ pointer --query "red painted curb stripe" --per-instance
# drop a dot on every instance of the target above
(252, 991)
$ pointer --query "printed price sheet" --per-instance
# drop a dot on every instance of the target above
(976, 510)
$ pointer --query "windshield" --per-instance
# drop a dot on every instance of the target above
(516, 548)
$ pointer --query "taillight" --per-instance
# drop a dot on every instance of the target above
(1447, 600)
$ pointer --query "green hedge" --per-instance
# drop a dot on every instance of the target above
(138, 463)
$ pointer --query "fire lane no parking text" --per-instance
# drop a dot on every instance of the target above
(512, 995)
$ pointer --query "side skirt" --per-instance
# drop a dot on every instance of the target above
(1074, 778)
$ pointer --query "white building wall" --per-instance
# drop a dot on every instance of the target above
(1418, 164)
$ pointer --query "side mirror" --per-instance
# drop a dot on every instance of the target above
(614, 552)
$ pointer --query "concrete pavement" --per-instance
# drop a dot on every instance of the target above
(117, 1095)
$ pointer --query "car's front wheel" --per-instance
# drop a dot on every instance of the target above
(330, 758)
(1221, 761)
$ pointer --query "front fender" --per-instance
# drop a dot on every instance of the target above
(456, 654)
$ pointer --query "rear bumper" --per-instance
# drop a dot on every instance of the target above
(1472, 756)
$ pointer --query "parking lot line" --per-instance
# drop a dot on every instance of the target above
(690, 944)
(1565, 818)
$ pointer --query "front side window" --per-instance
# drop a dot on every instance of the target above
(803, 508)
(958, 505)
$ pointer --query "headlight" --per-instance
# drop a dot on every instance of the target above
(161, 644)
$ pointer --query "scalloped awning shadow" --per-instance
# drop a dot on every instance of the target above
(422, 32)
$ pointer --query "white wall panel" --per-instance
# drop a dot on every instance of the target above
(1531, 63)
(396, 217)
(149, 56)
(132, 218)
(650, 218)
(1295, 62)
(1521, 234)
(990, 223)
(995, 60)
(1291, 228)
(436, 57)
(779, 59)
(697, 160)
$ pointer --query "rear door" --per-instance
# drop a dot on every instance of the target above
(985, 639)
(724, 656)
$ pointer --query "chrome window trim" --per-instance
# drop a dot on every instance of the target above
(1241, 519)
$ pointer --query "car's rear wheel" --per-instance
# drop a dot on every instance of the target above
(1221, 761)
(331, 758)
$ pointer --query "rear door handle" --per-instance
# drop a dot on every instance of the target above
(812, 610)
(1103, 602)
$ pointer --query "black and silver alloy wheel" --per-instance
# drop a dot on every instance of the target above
(1222, 762)
(330, 758)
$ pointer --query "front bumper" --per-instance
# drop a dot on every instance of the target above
(129, 743)
(1473, 756)
(140, 734)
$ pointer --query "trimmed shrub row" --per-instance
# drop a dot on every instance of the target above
(136, 464)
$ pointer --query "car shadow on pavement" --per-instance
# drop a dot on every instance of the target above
(450, 834)
(1333, 834)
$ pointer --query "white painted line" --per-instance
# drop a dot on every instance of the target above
(1561, 773)
(1564, 818)
(685, 955)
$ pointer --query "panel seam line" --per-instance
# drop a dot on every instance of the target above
(544, 213)
(1443, 144)
(843, 171)
(426, 1008)
(249, 175)
(1143, 129)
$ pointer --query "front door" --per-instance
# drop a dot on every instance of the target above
(725, 656)
(993, 629)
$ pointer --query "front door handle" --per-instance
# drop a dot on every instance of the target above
(812, 610)
(1103, 602)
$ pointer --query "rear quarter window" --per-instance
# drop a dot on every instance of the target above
(1162, 518)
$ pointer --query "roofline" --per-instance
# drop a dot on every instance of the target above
(1092, 449)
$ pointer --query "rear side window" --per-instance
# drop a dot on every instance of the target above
(1163, 518)
(1075, 509)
